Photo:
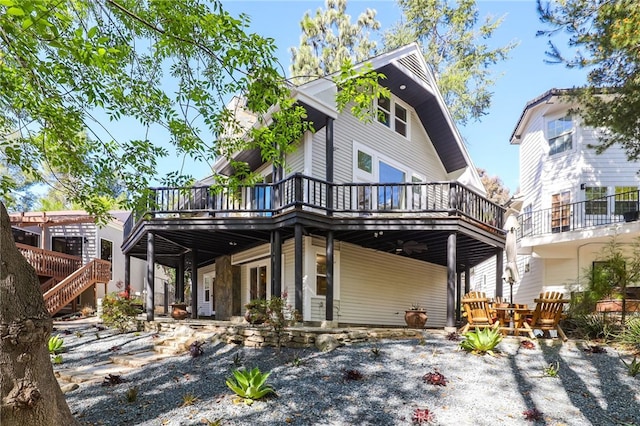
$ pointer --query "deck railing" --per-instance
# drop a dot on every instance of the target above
(50, 263)
(96, 271)
(601, 211)
(299, 191)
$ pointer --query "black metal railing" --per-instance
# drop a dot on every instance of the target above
(299, 191)
(601, 211)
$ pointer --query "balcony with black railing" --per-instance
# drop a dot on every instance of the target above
(602, 211)
(416, 199)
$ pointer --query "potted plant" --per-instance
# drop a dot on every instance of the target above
(179, 310)
(416, 317)
(256, 311)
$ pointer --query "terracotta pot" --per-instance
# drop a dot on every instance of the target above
(415, 318)
(179, 311)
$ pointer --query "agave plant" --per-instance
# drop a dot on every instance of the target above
(250, 385)
(56, 344)
(481, 341)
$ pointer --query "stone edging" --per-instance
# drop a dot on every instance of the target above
(292, 337)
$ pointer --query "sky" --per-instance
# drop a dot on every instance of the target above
(522, 78)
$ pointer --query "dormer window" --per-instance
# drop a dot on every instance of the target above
(560, 135)
(393, 115)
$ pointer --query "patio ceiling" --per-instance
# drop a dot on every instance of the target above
(398, 237)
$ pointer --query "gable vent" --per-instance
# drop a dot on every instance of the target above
(412, 63)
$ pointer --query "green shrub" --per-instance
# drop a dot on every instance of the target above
(56, 344)
(118, 312)
(594, 326)
(631, 333)
(481, 341)
(56, 359)
(250, 385)
(633, 367)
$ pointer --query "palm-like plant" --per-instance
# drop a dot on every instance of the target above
(481, 341)
(250, 385)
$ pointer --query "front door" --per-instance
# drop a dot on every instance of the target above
(208, 299)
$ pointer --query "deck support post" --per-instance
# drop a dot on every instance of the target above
(151, 276)
(276, 263)
(499, 271)
(179, 296)
(451, 280)
(298, 266)
(127, 275)
(329, 295)
(458, 295)
(194, 283)
(467, 280)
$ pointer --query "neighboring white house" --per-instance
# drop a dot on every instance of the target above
(364, 220)
(75, 233)
(571, 200)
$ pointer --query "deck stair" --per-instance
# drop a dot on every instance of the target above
(96, 271)
(62, 276)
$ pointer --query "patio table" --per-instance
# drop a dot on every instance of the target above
(513, 318)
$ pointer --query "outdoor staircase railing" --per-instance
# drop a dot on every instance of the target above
(50, 263)
(49, 284)
(96, 271)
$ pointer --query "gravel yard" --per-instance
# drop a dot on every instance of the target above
(313, 388)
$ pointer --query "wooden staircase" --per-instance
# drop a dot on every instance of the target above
(62, 277)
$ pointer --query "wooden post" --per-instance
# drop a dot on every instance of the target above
(179, 296)
(499, 271)
(127, 275)
(276, 263)
(451, 279)
(151, 277)
(329, 296)
(329, 165)
(298, 266)
(194, 283)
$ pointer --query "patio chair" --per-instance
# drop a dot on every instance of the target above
(476, 309)
(547, 315)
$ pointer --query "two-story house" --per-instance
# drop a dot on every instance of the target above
(363, 221)
(77, 261)
(571, 200)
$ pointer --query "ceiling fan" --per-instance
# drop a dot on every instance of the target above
(408, 247)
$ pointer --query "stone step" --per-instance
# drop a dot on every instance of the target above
(91, 373)
(168, 350)
(138, 359)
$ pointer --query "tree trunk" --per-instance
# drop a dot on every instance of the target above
(30, 392)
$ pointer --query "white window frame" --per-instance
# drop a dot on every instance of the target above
(315, 251)
(101, 239)
(362, 176)
(571, 132)
(257, 264)
(393, 101)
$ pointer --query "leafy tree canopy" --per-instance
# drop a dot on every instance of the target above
(329, 39)
(151, 64)
(454, 44)
(496, 191)
(604, 37)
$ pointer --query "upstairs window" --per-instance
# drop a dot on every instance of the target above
(560, 135)
(596, 200)
(393, 115)
(626, 199)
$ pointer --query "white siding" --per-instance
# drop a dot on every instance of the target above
(417, 154)
(376, 288)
